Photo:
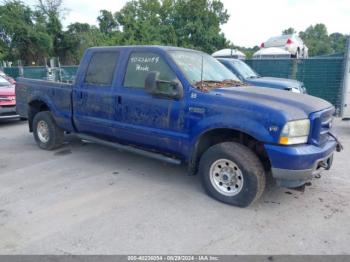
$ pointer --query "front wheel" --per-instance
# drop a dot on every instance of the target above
(232, 173)
(47, 134)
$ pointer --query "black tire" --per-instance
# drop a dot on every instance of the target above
(55, 134)
(250, 166)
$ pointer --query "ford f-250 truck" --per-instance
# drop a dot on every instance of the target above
(183, 106)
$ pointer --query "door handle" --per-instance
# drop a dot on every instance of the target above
(119, 100)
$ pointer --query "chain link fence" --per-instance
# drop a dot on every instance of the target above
(61, 74)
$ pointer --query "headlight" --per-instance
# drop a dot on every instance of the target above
(295, 132)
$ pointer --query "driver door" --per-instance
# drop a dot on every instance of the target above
(154, 122)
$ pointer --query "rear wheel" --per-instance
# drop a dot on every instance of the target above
(232, 173)
(47, 134)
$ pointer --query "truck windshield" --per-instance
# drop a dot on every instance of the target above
(198, 66)
(244, 70)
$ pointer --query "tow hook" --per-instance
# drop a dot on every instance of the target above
(339, 146)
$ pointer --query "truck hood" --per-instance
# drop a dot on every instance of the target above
(280, 83)
(292, 105)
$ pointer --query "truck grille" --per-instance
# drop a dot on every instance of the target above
(321, 124)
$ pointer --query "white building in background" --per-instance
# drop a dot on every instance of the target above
(229, 53)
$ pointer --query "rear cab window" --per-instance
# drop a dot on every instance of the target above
(100, 71)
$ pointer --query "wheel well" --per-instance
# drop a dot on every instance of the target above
(35, 107)
(220, 135)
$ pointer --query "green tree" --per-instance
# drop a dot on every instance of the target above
(197, 24)
(20, 36)
(187, 23)
(317, 40)
(289, 31)
(107, 22)
(338, 42)
(141, 22)
(76, 39)
(33, 34)
(50, 13)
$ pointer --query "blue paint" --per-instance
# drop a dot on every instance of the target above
(133, 116)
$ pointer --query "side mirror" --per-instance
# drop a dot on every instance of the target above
(151, 82)
(162, 88)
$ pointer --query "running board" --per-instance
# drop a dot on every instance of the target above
(130, 149)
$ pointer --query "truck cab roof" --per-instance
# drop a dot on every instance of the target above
(136, 47)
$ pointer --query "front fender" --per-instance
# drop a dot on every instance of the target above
(249, 126)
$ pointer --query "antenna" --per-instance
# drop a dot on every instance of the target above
(202, 74)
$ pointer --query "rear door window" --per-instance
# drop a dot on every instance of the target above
(101, 69)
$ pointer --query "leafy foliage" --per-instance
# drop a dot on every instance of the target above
(316, 38)
(76, 39)
(107, 22)
(22, 36)
(337, 42)
(289, 31)
(33, 34)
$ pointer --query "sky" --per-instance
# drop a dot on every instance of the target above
(251, 21)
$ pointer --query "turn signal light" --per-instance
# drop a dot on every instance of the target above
(283, 140)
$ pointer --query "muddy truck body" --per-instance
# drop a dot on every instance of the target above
(182, 106)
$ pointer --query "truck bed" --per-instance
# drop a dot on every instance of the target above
(58, 97)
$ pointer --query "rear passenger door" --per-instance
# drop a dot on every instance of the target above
(94, 98)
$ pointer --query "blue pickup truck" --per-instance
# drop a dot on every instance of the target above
(183, 106)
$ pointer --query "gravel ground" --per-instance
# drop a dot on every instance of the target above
(90, 199)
